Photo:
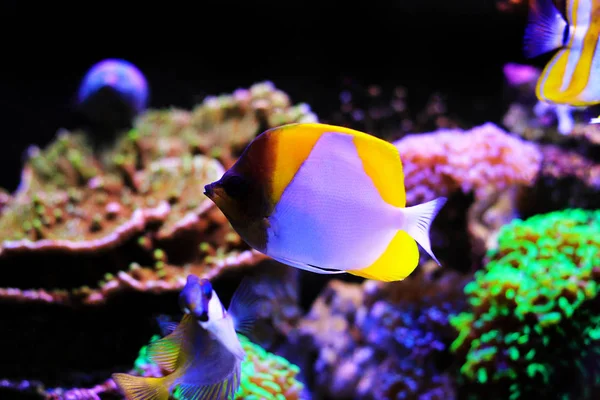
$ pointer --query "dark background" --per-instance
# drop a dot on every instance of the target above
(456, 47)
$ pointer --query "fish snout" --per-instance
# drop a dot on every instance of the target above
(209, 191)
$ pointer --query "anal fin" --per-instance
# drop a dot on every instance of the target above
(545, 29)
(398, 261)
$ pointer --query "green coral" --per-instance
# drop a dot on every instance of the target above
(534, 322)
(265, 375)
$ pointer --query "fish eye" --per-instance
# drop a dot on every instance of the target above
(235, 186)
(207, 291)
(203, 317)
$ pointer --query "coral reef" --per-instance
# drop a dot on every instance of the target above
(383, 340)
(264, 376)
(534, 320)
(120, 231)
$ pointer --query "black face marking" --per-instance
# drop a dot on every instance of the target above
(203, 317)
(236, 186)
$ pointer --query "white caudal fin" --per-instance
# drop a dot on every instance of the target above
(417, 222)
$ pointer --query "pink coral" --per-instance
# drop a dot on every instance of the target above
(438, 163)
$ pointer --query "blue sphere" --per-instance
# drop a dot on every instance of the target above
(119, 75)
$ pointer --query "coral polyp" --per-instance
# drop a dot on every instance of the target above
(534, 323)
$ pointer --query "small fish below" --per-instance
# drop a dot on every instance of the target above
(570, 77)
(326, 199)
(202, 354)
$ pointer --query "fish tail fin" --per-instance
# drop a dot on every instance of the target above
(418, 220)
(545, 29)
(141, 388)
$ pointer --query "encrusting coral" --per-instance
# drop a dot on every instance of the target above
(383, 340)
(265, 376)
(534, 322)
(119, 228)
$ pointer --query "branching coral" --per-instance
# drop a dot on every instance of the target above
(383, 340)
(264, 376)
(121, 230)
(534, 315)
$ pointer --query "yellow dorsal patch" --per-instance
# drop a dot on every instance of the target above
(291, 146)
(381, 161)
(397, 262)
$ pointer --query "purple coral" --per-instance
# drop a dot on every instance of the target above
(377, 341)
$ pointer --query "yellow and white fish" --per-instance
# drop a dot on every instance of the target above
(326, 199)
(202, 354)
(572, 75)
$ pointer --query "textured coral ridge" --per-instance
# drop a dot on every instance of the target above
(480, 159)
(534, 323)
(148, 189)
(383, 340)
(265, 376)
